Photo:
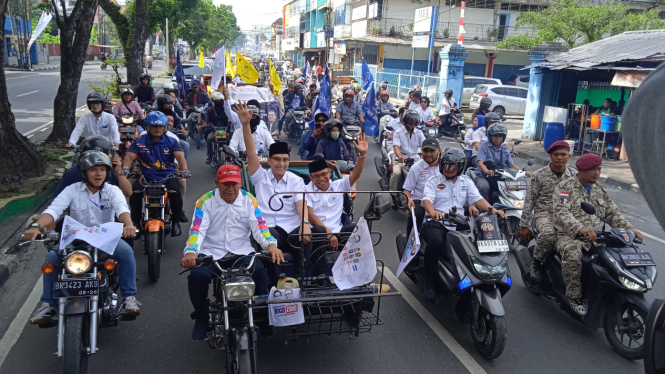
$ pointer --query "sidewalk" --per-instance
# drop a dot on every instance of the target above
(49, 66)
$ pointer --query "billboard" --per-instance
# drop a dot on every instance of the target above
(424, 26)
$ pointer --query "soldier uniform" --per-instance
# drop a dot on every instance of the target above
(570, 219)
(539, 198)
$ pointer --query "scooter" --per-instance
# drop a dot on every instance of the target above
(349, 132)
(470, 286)
(428, 129)
(385, 117)
(384, 167)
(127, 126)
(615, 278)
(454, 127)
(298, 124)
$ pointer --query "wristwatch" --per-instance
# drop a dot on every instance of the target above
(37, 225)
(306, 221)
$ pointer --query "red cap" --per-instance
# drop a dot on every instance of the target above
(588, 161)
(559, 144)
(228, 173)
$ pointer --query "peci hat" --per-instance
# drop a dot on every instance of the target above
(278, 148)
(317, 165)
(431, 143)
(228, 173)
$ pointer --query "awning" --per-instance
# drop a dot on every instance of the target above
(628, 78)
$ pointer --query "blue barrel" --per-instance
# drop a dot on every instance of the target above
(553, 133)
(607, 123)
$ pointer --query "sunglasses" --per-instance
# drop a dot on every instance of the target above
(425, 102)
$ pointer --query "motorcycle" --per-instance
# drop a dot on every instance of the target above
(128, 126)
(454, 127)
(428, 129)
(384, 168)
(147, 106)
(221, 152)
(156, 221)
(298, 123)
(103, 65)
(385, 117)
(470, 287)
(193, 121)
(615, 278)
(86, 292)
(349, 132)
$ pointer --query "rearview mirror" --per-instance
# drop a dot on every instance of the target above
(517, 142)
(379, 205)
(588, 208)
(530, 162)
(169, 74)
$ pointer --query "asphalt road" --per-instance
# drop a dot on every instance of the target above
(541, 337)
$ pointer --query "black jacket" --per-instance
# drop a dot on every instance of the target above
(143, 93)
(201, 98)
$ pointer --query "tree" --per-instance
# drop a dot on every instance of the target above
(17, 153)
(73, 53)
(576, 24)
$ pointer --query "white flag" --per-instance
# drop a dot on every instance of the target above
(356, 264)
(44, 19)
(218, 69)
(104, 236)
(412, 247)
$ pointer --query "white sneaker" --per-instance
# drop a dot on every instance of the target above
(132, 306)
(578, 306)
(42, 314)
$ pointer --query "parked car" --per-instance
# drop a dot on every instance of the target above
(470, 83)
(518, 80)
(192, 68)
(505, 99)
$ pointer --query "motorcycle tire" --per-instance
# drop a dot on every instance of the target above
(244, 362)
(490, 338)
(654, 345)
(459, 136)
(638, 327)
(152, 250)
(74, 358)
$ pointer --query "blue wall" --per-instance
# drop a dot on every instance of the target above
(478, 70)
(391, 63)
(504, 71)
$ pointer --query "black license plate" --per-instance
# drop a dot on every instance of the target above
(128, 129)
(637, 259)
(516, 185)
(76, 288)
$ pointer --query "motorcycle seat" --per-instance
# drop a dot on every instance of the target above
(587, 258)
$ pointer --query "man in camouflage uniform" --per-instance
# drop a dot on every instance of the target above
(572, 222)
(539, 200)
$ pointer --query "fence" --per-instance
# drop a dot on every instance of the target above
(400, 82)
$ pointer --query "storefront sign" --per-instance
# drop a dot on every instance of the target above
(424, 26)
(628, 79)
(321, 39)
(340, 48)
(359, 12)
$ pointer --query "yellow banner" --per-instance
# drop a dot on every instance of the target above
(274, 79)
(201, 62)
(229, 65)
(245, 70)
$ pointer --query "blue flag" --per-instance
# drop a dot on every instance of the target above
(367, 77)
(323, 100)
(371, 125)
(180, 77)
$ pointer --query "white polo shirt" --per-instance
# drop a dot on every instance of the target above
(415, 180)
(409, 143)
(88, 125)
(265, 185)
(262, 140)
(231, 226)
(444, 194)
(329, 207)
(86, 207)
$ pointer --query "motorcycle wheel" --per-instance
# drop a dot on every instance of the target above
(197, 139)
(654, 345)
(75, 357)
(460, 136)
(152, 250)
(244, 362)
(635, 318)
(490, 337)
(507, 229)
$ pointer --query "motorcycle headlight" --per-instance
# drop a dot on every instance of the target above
(78, 262)
(127, 119)
(631, 285)
(348, 136)
(493, 272)
(241, 290)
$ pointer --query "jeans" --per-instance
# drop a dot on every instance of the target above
(185, 147)
(469, 158)
(303, 140)
(124, 256)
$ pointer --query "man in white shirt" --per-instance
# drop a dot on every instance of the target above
(414, 184)
(97, 122)
(223, 220)
(447, 104)
(262, 138)
(233, 117)
(91, 202)
(443, 192)
(397, 125)
(286, 214)
(325, 210)
(405, 144)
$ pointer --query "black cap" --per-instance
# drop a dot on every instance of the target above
(431, 143)
(278, 148)
(317, 165)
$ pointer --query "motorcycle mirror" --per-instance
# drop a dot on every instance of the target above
(530, 162)
(588, 208)
(517, 142)
(379, 204)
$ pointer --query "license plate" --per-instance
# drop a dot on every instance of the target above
(474, 98)
(353, 128)
(485, 246)
(127, 129)
(516, 185)
(637, 259)
(76, 288)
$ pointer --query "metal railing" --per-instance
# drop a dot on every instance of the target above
(400, 82)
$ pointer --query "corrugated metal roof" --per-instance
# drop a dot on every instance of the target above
(628, 46)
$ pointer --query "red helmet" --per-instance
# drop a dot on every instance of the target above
(349, 93)
(384, 92)
(416, 88)
(300, 80)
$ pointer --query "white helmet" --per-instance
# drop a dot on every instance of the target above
(217, 96)
(168, 86)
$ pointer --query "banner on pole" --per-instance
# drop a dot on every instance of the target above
(44, 19)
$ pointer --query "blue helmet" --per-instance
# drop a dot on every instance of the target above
(156, 118)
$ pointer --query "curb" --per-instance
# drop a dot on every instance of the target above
(51, 67)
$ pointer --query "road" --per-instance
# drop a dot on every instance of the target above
(413, 339)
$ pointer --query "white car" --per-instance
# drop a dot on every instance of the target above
(470, 83)
(518, 80)
(505, 99)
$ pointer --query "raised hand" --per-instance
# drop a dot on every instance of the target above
(243, 113)
(361, 143)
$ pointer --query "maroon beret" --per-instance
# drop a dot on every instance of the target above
(559, 144)
(588, 161)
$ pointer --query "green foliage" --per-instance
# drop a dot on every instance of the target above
(208, 26)
(106, 87)
(51, 154)
(94, 34)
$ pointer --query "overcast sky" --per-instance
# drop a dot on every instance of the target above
(254, 12)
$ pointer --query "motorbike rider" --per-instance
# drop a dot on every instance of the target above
(127, 104)
(483, 108)
(96, 122)
(310, 99)
(358, 96)
(227, 240)
(571, 222)
(286, 221)
(316, 82)
(144, 91)
(91, 202)
(480, 133)
(196, 96)
(405, 144)
(332, 147)
(384, 104)
(165, 106)
(448, 104)
(348, 110)
(157, 154)
(470, 148)
(315, 135)
(169, 89)
(425, 111)
(539, 202)
(414, 184)
(292, 101)
(262, 138)
(450, 189)
(215, 117)
(397, 125)
(494, 151)
(289, 88)
(414, 98)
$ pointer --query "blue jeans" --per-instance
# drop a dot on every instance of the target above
(185, 147)
(469, 155)
(303, 140)
(124, 255)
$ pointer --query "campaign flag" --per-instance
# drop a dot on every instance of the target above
(201, 62)
(371, 125)
(218, 69)
(180, 77)
(307, 72)
(245, 70)
(274, 79)
(367, 76)
(44, 19)
(412, 247)
(356, 264)
(322, 103)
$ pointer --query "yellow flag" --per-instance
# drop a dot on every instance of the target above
(201, 62)
(245, 70)
(229, 65)
(274, 79)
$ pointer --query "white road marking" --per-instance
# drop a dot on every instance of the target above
(44, 129)
(16, 328)
(27, 93)
(653, 237)
(25, 76)
(30, 136)
(462, 355)
(49, 123)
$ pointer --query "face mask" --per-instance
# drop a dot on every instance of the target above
(255, 122)
(334, 135)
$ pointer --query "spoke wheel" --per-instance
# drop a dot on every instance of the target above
(627, 341)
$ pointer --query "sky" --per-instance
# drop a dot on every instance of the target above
(254, 12)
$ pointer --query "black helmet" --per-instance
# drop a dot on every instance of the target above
(299, 86)
(451, 157)
(96, 97)
(491, 118)
(319, 113)
(97, 143)
(144, 76)
(164, 99)
(449, 92)
(411, 115)
(485, 103)
(94, 158)
(327, 127)
(497, 129)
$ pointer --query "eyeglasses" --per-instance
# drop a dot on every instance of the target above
(322, 175)
(283, 160)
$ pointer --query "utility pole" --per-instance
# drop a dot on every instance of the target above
(168, 50)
